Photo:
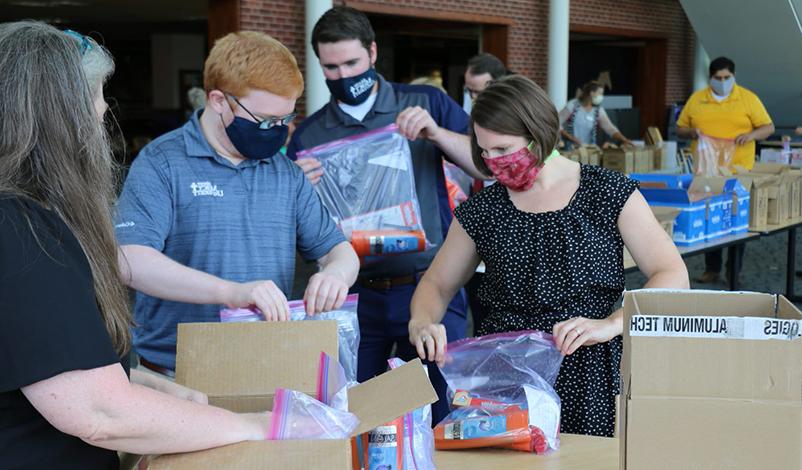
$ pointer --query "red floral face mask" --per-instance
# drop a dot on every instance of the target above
(517, 170)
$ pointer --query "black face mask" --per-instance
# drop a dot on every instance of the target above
(353, 90)
(254, 143)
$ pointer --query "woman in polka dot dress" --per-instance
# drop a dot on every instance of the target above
(551, 234)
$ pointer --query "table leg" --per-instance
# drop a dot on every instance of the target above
(733, 265)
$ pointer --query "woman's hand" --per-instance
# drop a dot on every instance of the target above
(429, 339)
(569, 335)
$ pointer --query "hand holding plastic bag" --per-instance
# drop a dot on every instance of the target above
(299, 416)
(368, 186)
(345, 316)
(712, 154)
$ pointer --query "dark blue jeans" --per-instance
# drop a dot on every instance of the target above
(384, 323)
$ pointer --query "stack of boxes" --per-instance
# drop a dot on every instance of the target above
(709, 207)
(776, 192)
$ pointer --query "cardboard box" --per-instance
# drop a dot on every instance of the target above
(779, 190)
(644, 159)
(622, 160)
(758, 198)
(239, 366)
(794, 177)
(653, 136)
(710, 380)
(705, 206)
(741, 205)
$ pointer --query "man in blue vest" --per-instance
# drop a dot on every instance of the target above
(436, 127)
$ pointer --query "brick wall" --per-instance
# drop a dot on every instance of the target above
(282, 20)
(662, 16)
(528, 36)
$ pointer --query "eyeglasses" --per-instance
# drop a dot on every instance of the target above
(265, 124)
(86, 43)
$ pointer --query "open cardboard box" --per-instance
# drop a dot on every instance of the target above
(758, 187)
(780, 190)
(240, 365)
(729, 397)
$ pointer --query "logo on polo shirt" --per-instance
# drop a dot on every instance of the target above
(205, 188)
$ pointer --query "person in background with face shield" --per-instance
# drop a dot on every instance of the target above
(551, 233)
(725, 110)
(583, 118)
(436, 127)
(212, 213)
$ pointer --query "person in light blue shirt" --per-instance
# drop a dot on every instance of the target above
(212, 213)
(583, 119)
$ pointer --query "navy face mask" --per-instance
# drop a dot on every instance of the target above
(353, 90)
(255, 143)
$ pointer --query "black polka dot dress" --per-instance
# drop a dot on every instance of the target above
(544, 268)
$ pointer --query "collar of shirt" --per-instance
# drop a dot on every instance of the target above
(735, 95)
(359, 111)
(385, 103)
(197, 145)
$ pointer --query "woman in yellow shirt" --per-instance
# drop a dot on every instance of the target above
(725, 110)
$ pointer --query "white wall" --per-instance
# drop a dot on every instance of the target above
(171, 53)
(764, 39)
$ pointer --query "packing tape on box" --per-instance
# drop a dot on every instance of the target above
(750, 328)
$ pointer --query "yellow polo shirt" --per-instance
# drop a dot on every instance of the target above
(740, 113)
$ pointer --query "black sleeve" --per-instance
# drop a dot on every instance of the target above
(49, 319)
(611, 192)
(472, 216)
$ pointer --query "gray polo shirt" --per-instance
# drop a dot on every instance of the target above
(238, 222)
(331, 123)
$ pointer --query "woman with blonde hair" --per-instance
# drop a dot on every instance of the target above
(65, 393)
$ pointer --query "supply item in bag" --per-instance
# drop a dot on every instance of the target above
(345, 316)
(474, 427)
(368, 184)
(406, 443)
(502, 387)
(387, 242)
(713, 154)
(299, 416)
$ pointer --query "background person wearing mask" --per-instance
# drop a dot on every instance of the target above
(212, 213)
(583, 118)
(551, 233)
(65, 397)
(725, 110)
(436, 127)
(482, 68)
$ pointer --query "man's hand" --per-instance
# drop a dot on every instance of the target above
(264, 295)
(416, 122)
(312, 168)
(744, 139)
(325, 292)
